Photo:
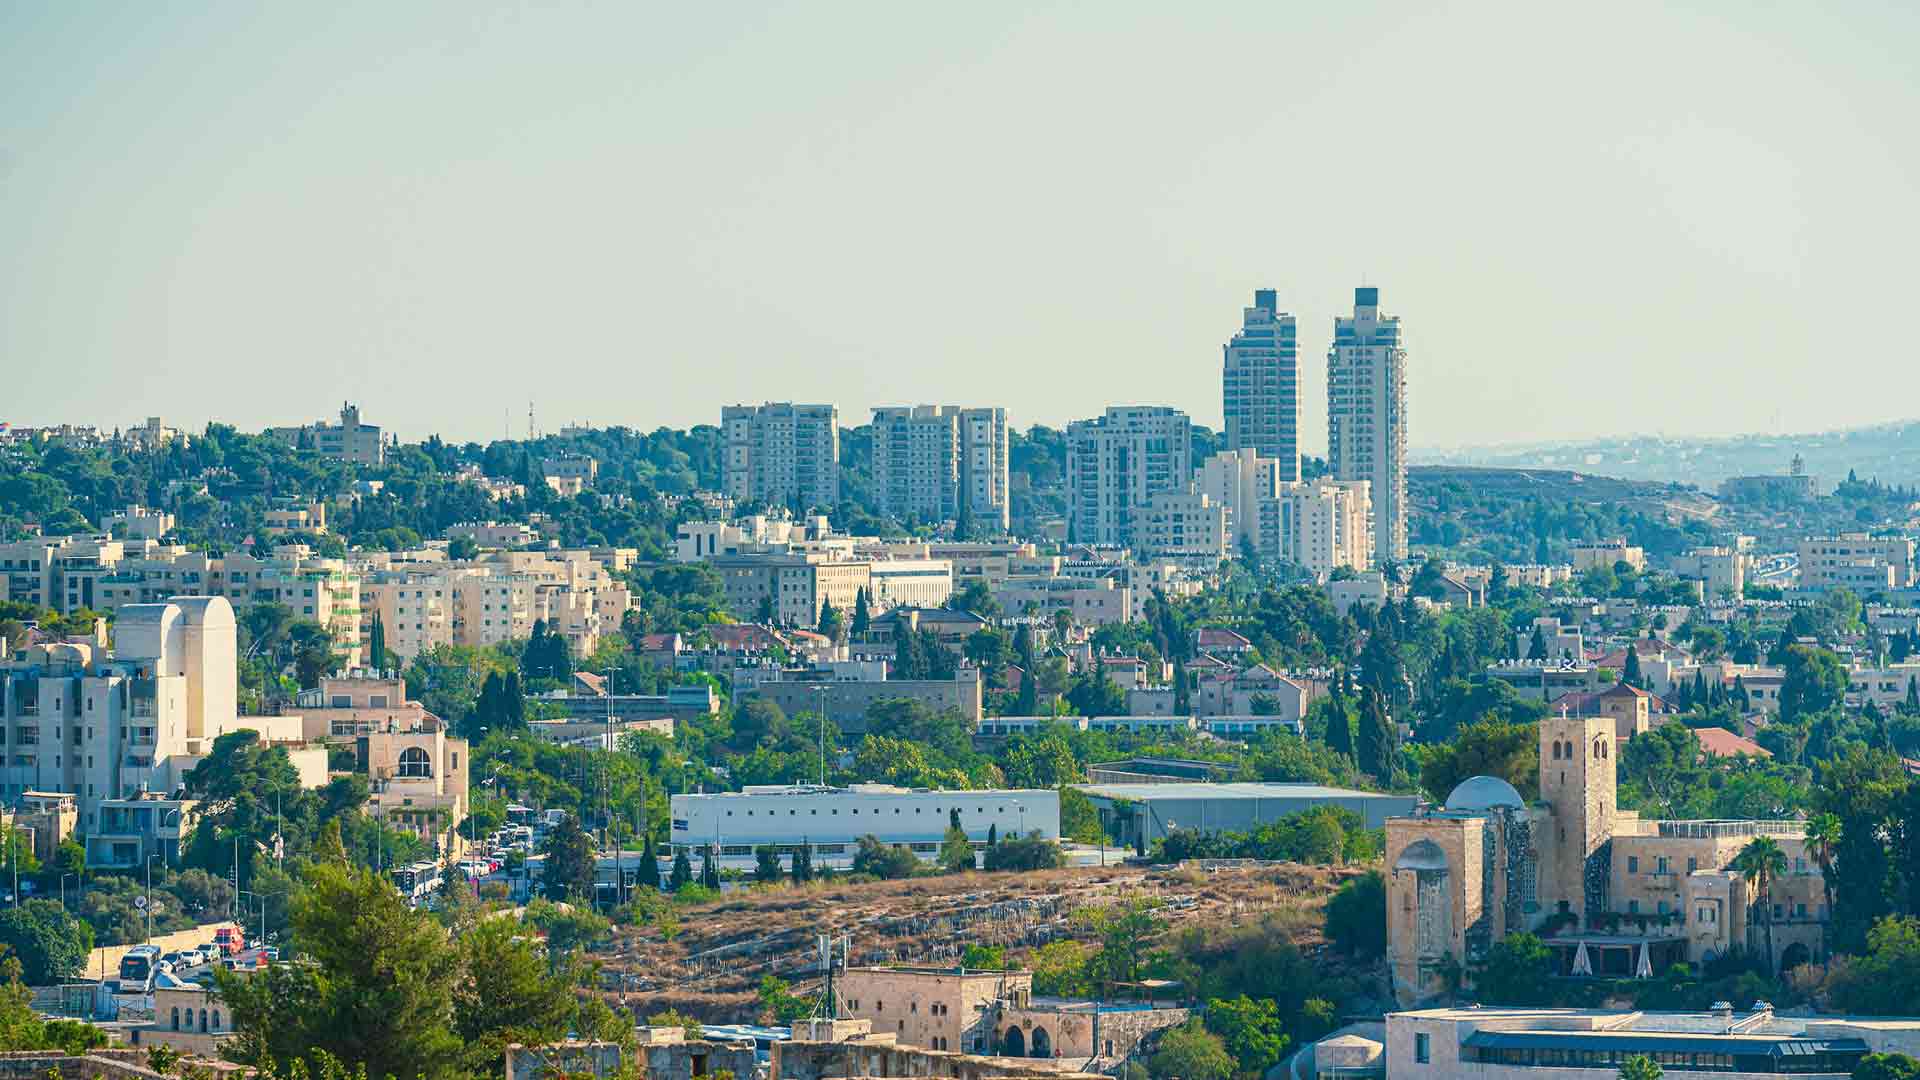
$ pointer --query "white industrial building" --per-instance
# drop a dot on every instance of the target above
(832, 820)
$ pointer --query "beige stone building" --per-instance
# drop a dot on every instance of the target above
(349, 440)
(1610, 893)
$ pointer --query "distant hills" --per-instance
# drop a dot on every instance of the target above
(1890, 452)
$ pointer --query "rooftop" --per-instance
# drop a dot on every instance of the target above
(1162, 792)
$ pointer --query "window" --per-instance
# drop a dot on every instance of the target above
(415, 764)
(1633, 864)
(1422, 1048)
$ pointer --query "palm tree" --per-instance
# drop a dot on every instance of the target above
(1760, 862)
(1823, 836)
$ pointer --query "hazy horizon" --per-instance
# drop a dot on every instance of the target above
(1656, 221)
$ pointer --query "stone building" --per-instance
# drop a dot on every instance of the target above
(1610, 893)
(827, 1049)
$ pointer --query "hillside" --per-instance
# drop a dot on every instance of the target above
(1889, 452)
(723, 949)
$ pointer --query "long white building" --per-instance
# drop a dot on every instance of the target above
(1259, 385)
(831, 820)
(1367, 415)
(1119, 460)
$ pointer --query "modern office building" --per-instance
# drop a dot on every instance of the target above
(1119, 460)
(1148, 812)
(1259, 385)
(1367, 415)
(781, 454)
(941, 463)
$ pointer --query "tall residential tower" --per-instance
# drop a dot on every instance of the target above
(1259, 385)
(781, 454)
(1367, 415)
(942, 462)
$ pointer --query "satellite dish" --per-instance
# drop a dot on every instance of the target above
(140, 902)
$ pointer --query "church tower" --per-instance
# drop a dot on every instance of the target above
(1578, 779)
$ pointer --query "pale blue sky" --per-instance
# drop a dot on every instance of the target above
(1626, 217)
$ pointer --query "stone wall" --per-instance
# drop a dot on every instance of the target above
(881, 1056)
(100, 1065)
(1073, 1037)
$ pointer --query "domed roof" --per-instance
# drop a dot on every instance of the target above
(1484, 793)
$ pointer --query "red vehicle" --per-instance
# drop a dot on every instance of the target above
(229, 941)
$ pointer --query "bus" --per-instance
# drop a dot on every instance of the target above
(417, 881)
(138, 966)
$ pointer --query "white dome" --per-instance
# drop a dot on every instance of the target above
(1484, 793)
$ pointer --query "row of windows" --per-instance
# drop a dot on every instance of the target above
(856, 811)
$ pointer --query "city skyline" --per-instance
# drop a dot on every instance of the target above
(415, 209)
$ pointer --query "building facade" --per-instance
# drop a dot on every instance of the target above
(942, 462)
(1259, 385)
(350, 439)
(832, 820)
(1856, 561)
(1367, 414)
(1117, 462)
(781, 454)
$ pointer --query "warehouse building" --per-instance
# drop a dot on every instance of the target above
(1151, 811)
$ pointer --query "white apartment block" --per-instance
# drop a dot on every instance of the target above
(1367, 415)
(349, 440)
(791, 589)
(1118, 461)
(781, 454)
(1856, 561)
(1238, 480)
(931, 461)
(1186, 524)
(139, 523)
(107, 728)
(1721, 571)
(1322, 526)
(495, 600)
(1259, 385)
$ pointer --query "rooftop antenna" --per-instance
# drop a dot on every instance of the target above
(530, 434)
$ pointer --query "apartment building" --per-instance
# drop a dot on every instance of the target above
(1322, 526)
(349, 440)
(1239, 480)
(1117, 461)
(139, 523)
(1367, 414)
(1856, 561)
(1260, 385)
(781, 454)
(936, 461)
(1183, 524)
(102, 726)
(1721, 571)
(913, 583)
(494, 600)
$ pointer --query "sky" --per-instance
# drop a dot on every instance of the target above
(1614, 219)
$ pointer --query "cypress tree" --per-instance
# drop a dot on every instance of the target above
(1537, 648)
(1340, 727)
(377, 647)
(709, 869)
(682, 874)
(993, 835)
(862, 618)
(649, 873)
(1182, 692)
(1373, 745)
(1630, 672)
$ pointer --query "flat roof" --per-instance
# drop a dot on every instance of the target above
(1640, 1042)
(1197, 790)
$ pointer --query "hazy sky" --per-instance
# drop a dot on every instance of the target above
(1631, 218)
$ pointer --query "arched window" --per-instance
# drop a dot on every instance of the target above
(1556, 750)
(203, 1019)
(1600, 747)
(415, 764)
(176, 1018)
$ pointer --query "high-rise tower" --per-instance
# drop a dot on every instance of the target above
(1259, 385)
(1367, 415)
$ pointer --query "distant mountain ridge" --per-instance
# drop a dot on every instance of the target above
(1890, 452)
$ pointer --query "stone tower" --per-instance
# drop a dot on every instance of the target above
(1578, 777)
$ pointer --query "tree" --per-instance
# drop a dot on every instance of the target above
(1537, 647)
(1031, 852)
(570, 870)
(649, 873)
(1630, 672)
(1815, 681)
(1356, 917)
(1191, 1052)
(1374, 742)
(1250, 1031)
(832, 625)
(862, 616)
(984, 957)
(377, 645)
(1640, 1067)
(681, 875)
(709, 868)
(1490, 747)
(779, 1003)
(766, 864)
(883, 860)
(378, 994)
(1761, 862)
(1516, 972)
(1887, 1067)
(52, 945)
(508, 993)
(956, 851)
(1886, 980)
(1822, 837)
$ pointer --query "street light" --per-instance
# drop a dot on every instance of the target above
(149, 865)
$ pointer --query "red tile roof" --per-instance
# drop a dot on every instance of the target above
(1720, 742)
